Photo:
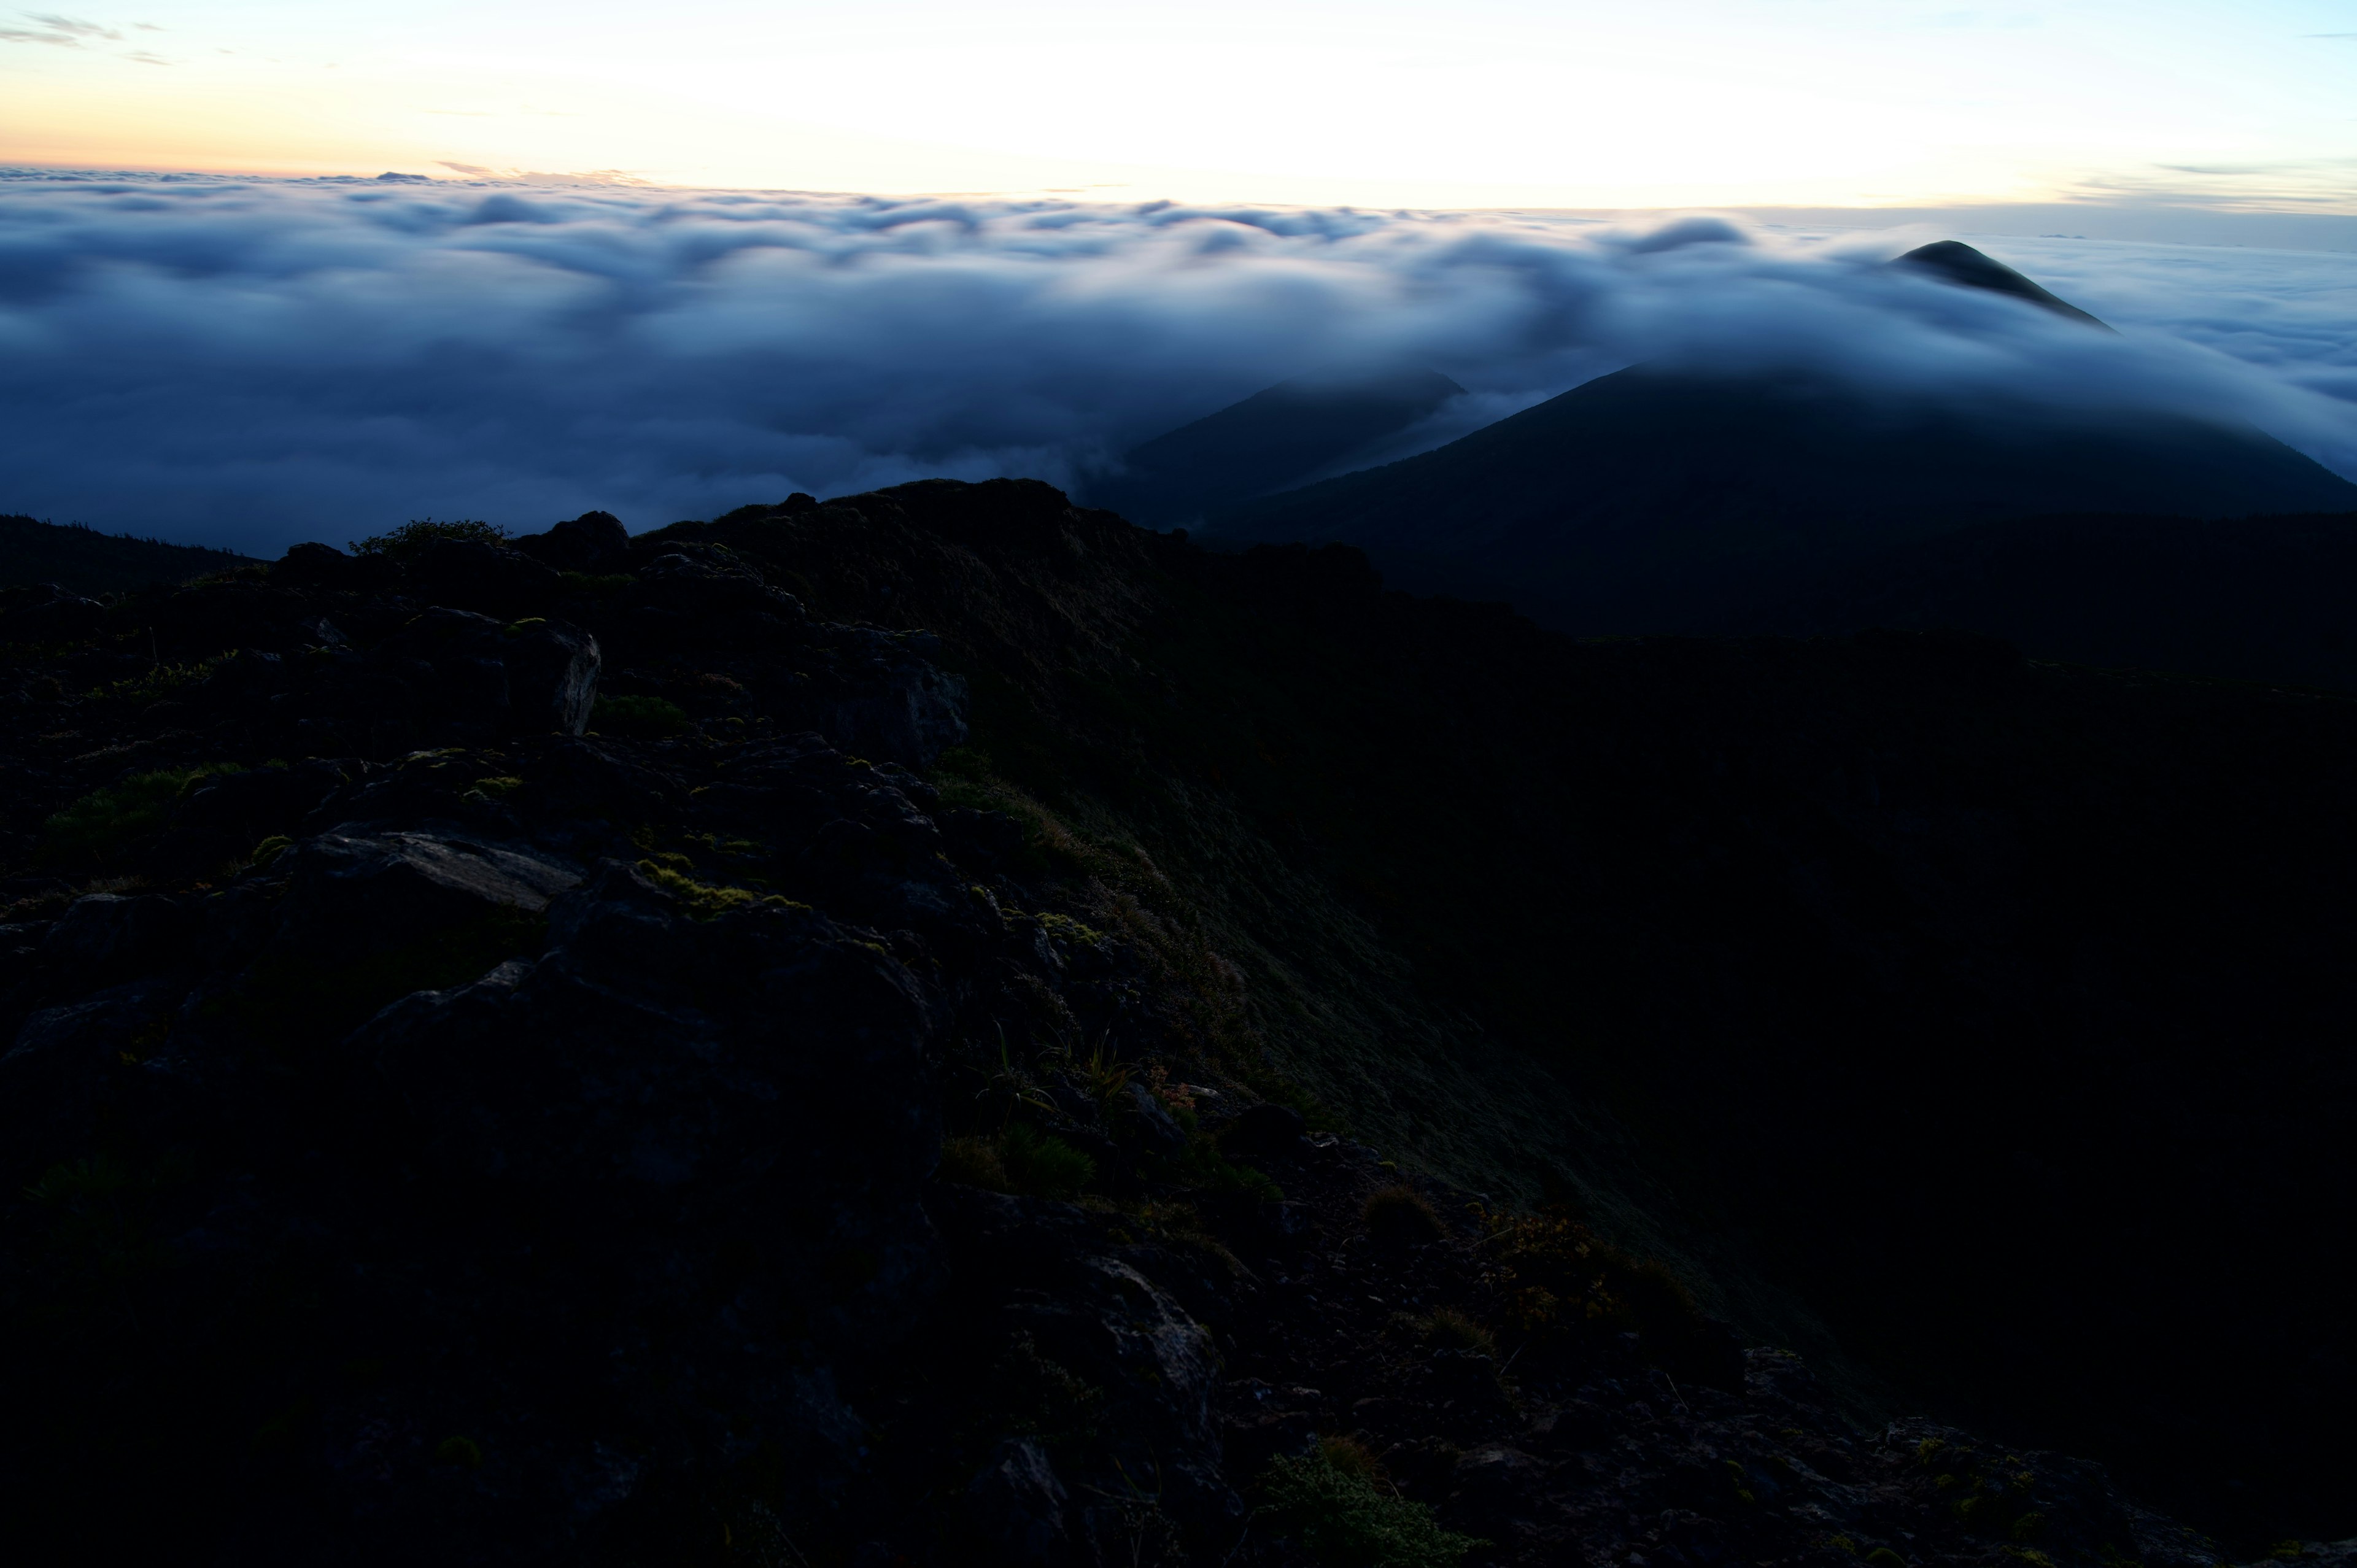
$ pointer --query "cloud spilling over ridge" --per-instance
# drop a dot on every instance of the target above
(250, 362)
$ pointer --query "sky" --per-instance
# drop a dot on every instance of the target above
(2249, 104)
(271, 272)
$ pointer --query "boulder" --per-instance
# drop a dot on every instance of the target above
(1149, 1123)
(1016, 1507)
(474, 575)
(48, 614)
(315, 565)
(594, 542)
(55, 1075)
(469, 677)
(352, 896)
(104, 937)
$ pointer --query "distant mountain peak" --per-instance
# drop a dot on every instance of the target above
(1279, 436)
(1952, 261)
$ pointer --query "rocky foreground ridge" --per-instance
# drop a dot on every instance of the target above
(548, 1051)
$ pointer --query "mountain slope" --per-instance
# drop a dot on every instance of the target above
(1656, 499)
(502, 1132)
(2260, 598)
(1648, 500)
(1884, 973)
(88, 561)
(1276, 438)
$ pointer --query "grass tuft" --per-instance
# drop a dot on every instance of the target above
(640, 718)
(1336, 1505)
(96, 828)
(1400, 1214)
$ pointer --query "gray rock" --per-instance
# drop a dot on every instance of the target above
(351, 896)
(109, 937)
(1151, 1124)
(1017, 1506)
(55, 1075)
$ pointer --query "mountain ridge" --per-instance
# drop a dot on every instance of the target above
(1866, 982)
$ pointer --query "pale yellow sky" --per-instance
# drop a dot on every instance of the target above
(1486, 103)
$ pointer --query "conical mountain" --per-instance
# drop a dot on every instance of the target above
(1658, 499)
(1275, 438)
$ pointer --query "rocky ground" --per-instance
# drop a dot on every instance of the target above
(518, 1054)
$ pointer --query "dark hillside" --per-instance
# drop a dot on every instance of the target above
(940, 1026)
(1272, 440)
(1653, 500)
(89, 562)
(1960, 994)
(2259, 598)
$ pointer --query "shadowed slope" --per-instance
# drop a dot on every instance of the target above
(88, 561)
(1656, 499)
(1274, 438)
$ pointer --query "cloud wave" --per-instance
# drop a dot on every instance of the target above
(250, 362)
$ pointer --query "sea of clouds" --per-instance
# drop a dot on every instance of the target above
(249, 362)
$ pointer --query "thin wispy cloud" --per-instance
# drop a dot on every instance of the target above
(258, 361)
(63, 32)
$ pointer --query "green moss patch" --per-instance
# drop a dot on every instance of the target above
(96, 828)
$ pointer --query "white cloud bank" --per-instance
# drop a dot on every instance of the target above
(250, 362)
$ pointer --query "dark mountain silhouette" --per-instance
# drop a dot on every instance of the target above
(941, 1028)
(2261, 598)
(89, 562)
(1659, 499)
(1271, 440)
(1957, 263)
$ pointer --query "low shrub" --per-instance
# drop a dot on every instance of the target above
(1400, 1214)
(974, 1162)
(418, 532)
(643, 718)
(1022, 1161)
(1561, 1278)
(1454, 1330)
(1335, 1503)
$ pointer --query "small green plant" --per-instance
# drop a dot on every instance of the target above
(1064, 928)
(1401, 1213)
(1454, 1330)
(1883, 1557)
(157, 684)
(705, 901)
(270, 849)
(1335, 1503)
(601, 584)
(418, 532)
(643, 718)
(1103, 1076)
(95, 828)
(81, 1181)
(974, 1162)
(1041, 1396)
(463, 1452)
(1042, 1163)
